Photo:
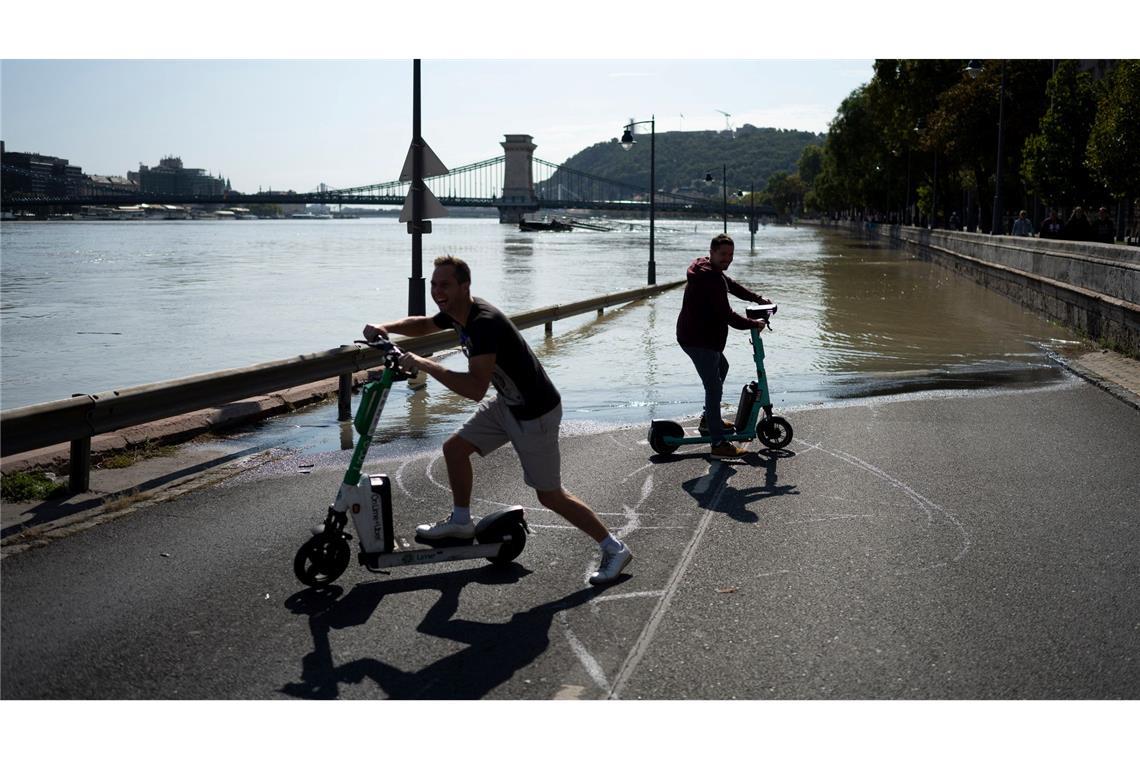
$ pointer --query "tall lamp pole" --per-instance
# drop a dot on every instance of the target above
(628, 142)
(752, 216)
(724, 192)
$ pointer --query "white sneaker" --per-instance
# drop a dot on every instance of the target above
(446, 529)
(612, 565)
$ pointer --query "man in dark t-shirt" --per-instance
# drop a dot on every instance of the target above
(527, 410)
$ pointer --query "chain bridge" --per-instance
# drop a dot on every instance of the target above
(516, 183)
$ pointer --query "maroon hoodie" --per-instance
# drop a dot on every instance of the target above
(705, 314)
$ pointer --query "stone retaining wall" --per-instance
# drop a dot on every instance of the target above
(1093, 288)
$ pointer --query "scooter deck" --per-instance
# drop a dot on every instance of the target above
(414, 556)
(439, 543)
(744, 435)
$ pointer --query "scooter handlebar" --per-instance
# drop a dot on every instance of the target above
(762, 311)
(392, 352)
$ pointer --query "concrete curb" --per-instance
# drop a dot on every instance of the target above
(1083, 371)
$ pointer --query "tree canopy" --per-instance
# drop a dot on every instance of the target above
(920, 140)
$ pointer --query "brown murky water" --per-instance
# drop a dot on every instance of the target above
(92, 306)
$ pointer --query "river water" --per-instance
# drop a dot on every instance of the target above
(93, 306)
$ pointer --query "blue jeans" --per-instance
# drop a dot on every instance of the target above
(712, 368)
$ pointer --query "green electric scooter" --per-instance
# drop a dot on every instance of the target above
(499, 537)
(665, 436)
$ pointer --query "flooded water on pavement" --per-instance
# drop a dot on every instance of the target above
(92, 306)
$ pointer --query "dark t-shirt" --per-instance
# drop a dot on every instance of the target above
(518, 378)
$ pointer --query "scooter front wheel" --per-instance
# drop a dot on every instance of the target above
(775, 432)
(657, 432)
(321, 559)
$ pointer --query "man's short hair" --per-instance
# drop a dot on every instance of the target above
(721, 239)
(462, 271)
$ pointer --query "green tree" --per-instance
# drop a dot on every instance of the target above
(810, 164)
(1113, 150)
(785, 192)
(1053, 159)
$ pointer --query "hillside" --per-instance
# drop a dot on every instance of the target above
(752, 154)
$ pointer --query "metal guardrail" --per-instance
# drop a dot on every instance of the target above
(79, 418)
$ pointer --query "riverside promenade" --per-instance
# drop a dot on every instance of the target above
(966, 546)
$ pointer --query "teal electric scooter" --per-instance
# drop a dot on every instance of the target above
(665, 436)
(499, 537)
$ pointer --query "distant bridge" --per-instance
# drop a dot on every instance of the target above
(515, 183)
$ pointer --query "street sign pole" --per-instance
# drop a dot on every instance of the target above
(416, 300)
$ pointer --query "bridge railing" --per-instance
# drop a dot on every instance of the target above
(81, 417)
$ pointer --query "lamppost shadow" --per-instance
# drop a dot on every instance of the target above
(494, 653)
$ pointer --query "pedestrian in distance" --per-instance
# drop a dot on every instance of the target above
(1104, 231)
(702, 331)
(1078, 227)
(955, 222)
(526, 410)
(1052, 227)
(1022, 227)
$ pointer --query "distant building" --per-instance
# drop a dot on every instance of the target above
(39, 175)
(171, 178)
(102, 184)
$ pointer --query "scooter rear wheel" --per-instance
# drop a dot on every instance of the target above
(775, 432)
(512, 547)
(321, 560)
(657, 432)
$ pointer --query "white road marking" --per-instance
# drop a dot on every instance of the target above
(641, 646)
(593, 669)
(927, 506)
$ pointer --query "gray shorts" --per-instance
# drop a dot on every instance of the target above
(535, 441)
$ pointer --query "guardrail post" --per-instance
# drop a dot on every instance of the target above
(79, 468)
(79, 464)
(549, 328)
(344, 398)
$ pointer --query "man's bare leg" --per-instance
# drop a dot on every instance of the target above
(574, 511)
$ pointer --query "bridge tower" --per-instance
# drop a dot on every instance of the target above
(518, 179)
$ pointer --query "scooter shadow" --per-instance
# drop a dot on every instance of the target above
(717, 495)
(494, 653)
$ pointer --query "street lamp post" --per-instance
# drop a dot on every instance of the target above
(627, 142)
(752, 217)
(973, 68)
(724, 193)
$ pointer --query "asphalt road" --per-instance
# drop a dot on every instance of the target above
(972, 547)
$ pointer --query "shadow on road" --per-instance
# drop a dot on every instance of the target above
(494, 653)
(713, 491)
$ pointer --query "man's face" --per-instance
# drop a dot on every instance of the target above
(721, 255)
(447, 292)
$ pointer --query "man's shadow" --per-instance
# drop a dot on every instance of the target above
(494, 653)
(717, 495)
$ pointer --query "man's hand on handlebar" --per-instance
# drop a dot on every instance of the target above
(760, 324)
(410, 363)
(372, 332)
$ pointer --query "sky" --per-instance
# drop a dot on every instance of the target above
(295, 124)
(287, 96)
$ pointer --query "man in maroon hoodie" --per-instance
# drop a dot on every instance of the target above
(702, 330)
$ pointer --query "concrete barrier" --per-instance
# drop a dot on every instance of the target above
(1092, 288)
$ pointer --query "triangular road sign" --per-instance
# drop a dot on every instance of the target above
(433, 167)
(433, 209)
